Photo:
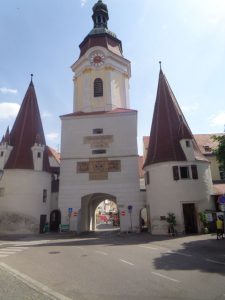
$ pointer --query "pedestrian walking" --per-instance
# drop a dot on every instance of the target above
(219, 228)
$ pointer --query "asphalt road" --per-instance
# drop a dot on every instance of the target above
(114, 266)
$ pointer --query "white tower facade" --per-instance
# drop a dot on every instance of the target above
(99, 158)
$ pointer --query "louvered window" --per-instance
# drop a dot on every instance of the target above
(98, 87)
(194, 172)
(175, 173)
(147, 178)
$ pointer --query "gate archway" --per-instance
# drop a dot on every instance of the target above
(89, 204)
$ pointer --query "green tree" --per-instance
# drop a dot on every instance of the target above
(220, 150)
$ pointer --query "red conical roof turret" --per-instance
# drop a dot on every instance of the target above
(24, 132)
(169, 127)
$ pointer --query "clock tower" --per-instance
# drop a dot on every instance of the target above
(99, 159)
(101, 74)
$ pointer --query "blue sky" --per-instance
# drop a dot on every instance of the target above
(42, 37)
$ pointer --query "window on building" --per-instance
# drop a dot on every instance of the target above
(188, 144)
(44, 196)
(97, 131)
(184, 173)
(222, 173)
(175, 173)
(99, 151)
(194, 172)
(147, 178)
(2, 153)
(98, 87)
(207, 148)
(39, 154)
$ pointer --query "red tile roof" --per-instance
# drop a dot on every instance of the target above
(114, 111)
(24, 133)
(206, 142)
(168, 128)
(54, 153)
(104, 40)
(140, 166)
(219, 189)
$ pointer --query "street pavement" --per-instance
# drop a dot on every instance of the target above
(110, 265)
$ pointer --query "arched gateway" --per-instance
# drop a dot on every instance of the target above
(89, 204)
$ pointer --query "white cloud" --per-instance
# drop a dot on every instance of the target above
(83, 2)
(5, 90)
(8, 110)
(218, 119)
(52, 136)
(46, 114)
(190, 108)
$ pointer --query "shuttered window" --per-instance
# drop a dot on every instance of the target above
(194, 171)
(98, 87)
(147, 178)
(175, 173)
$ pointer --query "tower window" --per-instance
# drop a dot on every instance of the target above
(188, 144)
(44, 198)
(99, 151)
(98, 87)
(39, 154)
(2, 153)
(97, 130)
(184, 173)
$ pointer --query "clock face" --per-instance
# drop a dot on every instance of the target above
(97, 59)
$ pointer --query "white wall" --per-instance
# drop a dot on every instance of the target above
(123, 185)
(23, 200)
(165, 195)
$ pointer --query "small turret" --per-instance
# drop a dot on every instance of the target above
(100, 15)
(5, 149)
(27, 132)
(38, 154)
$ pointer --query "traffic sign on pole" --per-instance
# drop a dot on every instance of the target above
(123, 213)
(130, 207)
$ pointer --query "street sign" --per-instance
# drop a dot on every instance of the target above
(75, 213)
(123, 213)
(130, 207)
(222, 207)
(221, 199)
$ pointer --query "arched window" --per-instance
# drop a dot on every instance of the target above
(98, 87)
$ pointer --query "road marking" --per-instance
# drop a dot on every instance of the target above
(165, 277)
(148, 247)
(34, 284)
(178, 253)
(3, 255)
(215, 261)
(32, 243)
(6, 252)
(127, 262)
(13, 249)
(165, 249)
(101, 252)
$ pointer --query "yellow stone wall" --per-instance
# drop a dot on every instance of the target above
(114, 90)
(214, 166)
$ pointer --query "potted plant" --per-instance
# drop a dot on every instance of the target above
(171, 220)
(204, 221)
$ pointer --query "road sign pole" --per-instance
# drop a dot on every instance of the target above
(131, 222)
(130, 207)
